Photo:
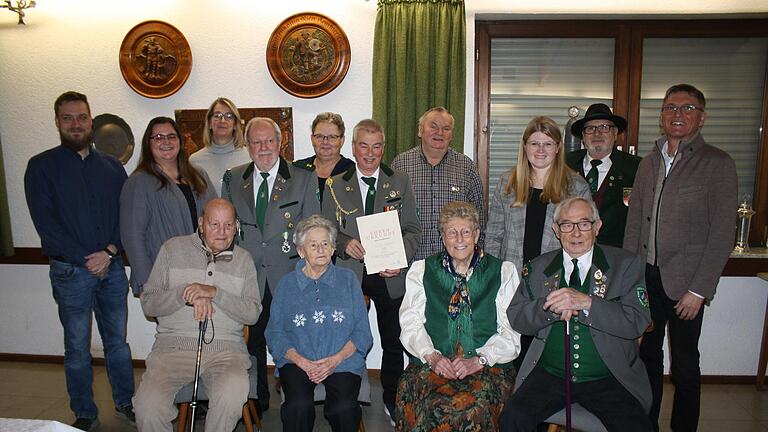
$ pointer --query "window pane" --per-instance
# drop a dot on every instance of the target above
(731, 74)
(533, 76)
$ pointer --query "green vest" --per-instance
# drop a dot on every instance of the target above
(586, 363)
(471, 330)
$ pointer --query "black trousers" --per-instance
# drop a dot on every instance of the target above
(257, 347)
(542, 395)
(341, 408)
(684, 356)
(388, 320)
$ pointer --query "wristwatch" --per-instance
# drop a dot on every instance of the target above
(111, 254)
(483, 361)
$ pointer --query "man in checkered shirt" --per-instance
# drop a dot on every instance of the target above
(439, 175)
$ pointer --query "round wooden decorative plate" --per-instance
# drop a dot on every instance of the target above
(155, 59)
(308, 55)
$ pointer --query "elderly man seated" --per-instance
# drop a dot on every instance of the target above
(202, 276)
(599, 291)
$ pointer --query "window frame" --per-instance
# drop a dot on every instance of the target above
(628, 60)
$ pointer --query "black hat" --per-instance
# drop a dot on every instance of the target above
(598, 111)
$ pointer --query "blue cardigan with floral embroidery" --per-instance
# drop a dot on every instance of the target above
(318, 317)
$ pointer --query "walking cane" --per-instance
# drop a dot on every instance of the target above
(568, 376)
(193, 404)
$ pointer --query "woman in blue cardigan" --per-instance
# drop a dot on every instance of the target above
(318, 332)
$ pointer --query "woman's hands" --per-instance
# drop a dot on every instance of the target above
(319, 370)
(458, 368)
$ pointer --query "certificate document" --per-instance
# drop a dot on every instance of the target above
(383, 241)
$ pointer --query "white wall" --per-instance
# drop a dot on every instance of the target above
(74, 44)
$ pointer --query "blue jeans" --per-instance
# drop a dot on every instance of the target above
(78, 295)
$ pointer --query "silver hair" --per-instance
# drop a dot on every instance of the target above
(437, 109)
(251, 122)
(460, 210)
(310, 223)
(568, 202)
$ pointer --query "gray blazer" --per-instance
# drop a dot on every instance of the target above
(506, 224)
(150, 215)
(293, 198)
(616, 319)
(696, 215)
(393, 191)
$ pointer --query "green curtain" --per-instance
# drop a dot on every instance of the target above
(6, 238)
(419, 61)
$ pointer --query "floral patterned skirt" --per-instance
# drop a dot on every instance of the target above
(427, 402)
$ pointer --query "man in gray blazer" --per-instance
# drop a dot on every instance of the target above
(271, 196)
(366, 188)
(599, 292)
(682, 218)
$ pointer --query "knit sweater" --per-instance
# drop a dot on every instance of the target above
(182, 261)
(217, 159)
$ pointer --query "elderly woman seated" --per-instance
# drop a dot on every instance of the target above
(318, 332)
(455, 327)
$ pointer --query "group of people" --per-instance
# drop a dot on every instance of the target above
(494, 317)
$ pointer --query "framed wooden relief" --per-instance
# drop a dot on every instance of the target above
(155, 59)
(308, 55)
(192, 121)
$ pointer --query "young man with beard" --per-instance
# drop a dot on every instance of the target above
(73, 194)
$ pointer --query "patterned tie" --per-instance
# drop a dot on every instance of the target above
(592, 175)
(261, 202)
(371, 195)
(575, 280)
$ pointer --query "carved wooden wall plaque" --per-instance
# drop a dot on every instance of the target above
(192, 121)
(155, 59)
(308, 55)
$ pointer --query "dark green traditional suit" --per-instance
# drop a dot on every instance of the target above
(619, 180)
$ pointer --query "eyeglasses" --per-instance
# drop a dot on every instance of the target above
(227, 226)
(567, 227)
(330, 138)
(549, 145)
(81, 118)
(589, 130)
(259, 143)
(685, 109)
(161, 137)
(453, 233)
(223, 116)
(316, 246)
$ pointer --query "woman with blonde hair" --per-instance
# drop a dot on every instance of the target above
(522, 206)
(223, 141)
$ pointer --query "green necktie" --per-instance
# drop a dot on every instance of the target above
(575, 280)
(592, 175)
(371, 195)
(261, 202)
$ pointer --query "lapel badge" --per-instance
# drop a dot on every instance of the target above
(349, 188)
(287, 215)
(598, 274)
(290, 225)
(392, 194)
(627, 194)
(286, 247)
(282, 180)
(275, 197)
(454, 189)
(385, 186)
(611, 177)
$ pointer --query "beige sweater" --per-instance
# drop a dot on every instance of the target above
(180, 262)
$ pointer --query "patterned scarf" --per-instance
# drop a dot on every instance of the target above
(460, 297)
(224, 255)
